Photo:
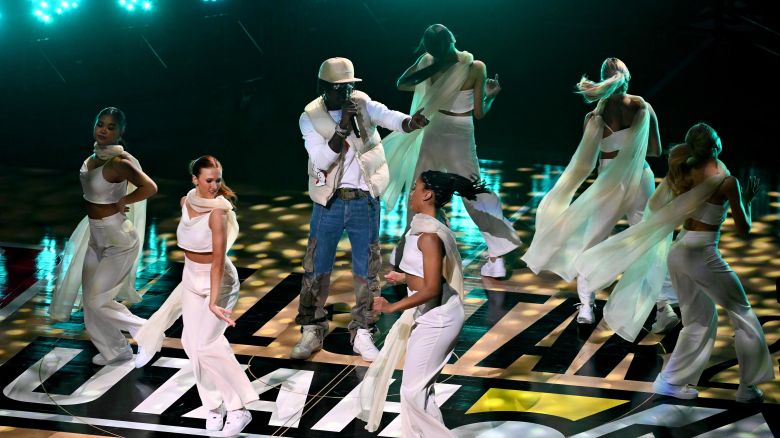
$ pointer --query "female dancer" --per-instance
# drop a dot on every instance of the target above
(702, 278)
(624, 129)
(103, 252)
(207, 293)
(452, 89)
(697, 193)
(433, 311)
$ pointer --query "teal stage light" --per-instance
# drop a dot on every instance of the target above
(46, 11)
(135, 5)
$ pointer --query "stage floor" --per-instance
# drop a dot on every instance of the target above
(522, 364)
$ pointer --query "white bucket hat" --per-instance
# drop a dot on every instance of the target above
(337, 71)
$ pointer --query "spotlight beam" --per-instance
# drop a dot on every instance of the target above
(154, 52)
(249, 35)
(51, 64)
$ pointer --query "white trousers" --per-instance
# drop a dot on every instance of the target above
(702, 279)
(448, 145)
(428, 350)
(219, 376)
(109, 259)
(633, 217)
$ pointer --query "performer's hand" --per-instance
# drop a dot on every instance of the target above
(395, 277)
(121, 206)
(348, 109)
(222, 314)
(751, 189)
(417, 121)
(492, 87)
(381, 305)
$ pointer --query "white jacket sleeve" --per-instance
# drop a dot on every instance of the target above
(316, 145)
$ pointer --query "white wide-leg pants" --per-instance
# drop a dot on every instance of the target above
(219, 376)
(702, 279)
(428, 350)
(110, 256)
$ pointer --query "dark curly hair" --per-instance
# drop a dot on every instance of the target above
(444, 185)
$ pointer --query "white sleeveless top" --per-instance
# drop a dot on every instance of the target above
(711, 214)
(412, 260)
(615, 141)
(96, 189)
(463, 103)
(194, 234)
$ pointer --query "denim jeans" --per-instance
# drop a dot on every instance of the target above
(359, 217)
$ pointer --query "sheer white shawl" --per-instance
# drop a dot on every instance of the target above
(401, 149)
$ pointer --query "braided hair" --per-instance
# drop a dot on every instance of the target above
(444, 185)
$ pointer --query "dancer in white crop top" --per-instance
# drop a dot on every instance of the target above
(110, 240)
(702, 278)
(622, 131)
(208, 291)
(453, 89)
(430, 254)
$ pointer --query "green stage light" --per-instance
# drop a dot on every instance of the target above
(45, 11)
(134, 5)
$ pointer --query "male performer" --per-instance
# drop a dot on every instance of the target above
(347, 174)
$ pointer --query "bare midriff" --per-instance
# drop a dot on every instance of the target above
(199, 257)
(100, 211)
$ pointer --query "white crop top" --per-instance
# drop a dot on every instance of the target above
(96, 189)
(463, 103)
(708, 213)
(194, 234)
(614, 142)
(412, 260)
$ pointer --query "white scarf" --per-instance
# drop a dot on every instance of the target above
(640, 254)
(373, 391)
(150, 336)
(67, 291)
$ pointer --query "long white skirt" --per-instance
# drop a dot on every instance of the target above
(448, 145)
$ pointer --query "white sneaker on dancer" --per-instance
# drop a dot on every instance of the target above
(749, 394)
(364, 345)
(665, 318)
(215, 418)
(126, 355)
(684, 392)
(495, 269)
(143, 357)
(236, 421)
(586, 313)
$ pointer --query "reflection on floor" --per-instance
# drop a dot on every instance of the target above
(522, 365)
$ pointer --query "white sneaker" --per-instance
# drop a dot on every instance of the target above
(665, 320)
(126, 355)
(749, 394)
(684, 392)
(495, 269)
(586, 313)
(236, 421)
(215, 418)
(311, 342)
(364, 345)
(143, 357)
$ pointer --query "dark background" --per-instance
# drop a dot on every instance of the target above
(213, 91)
